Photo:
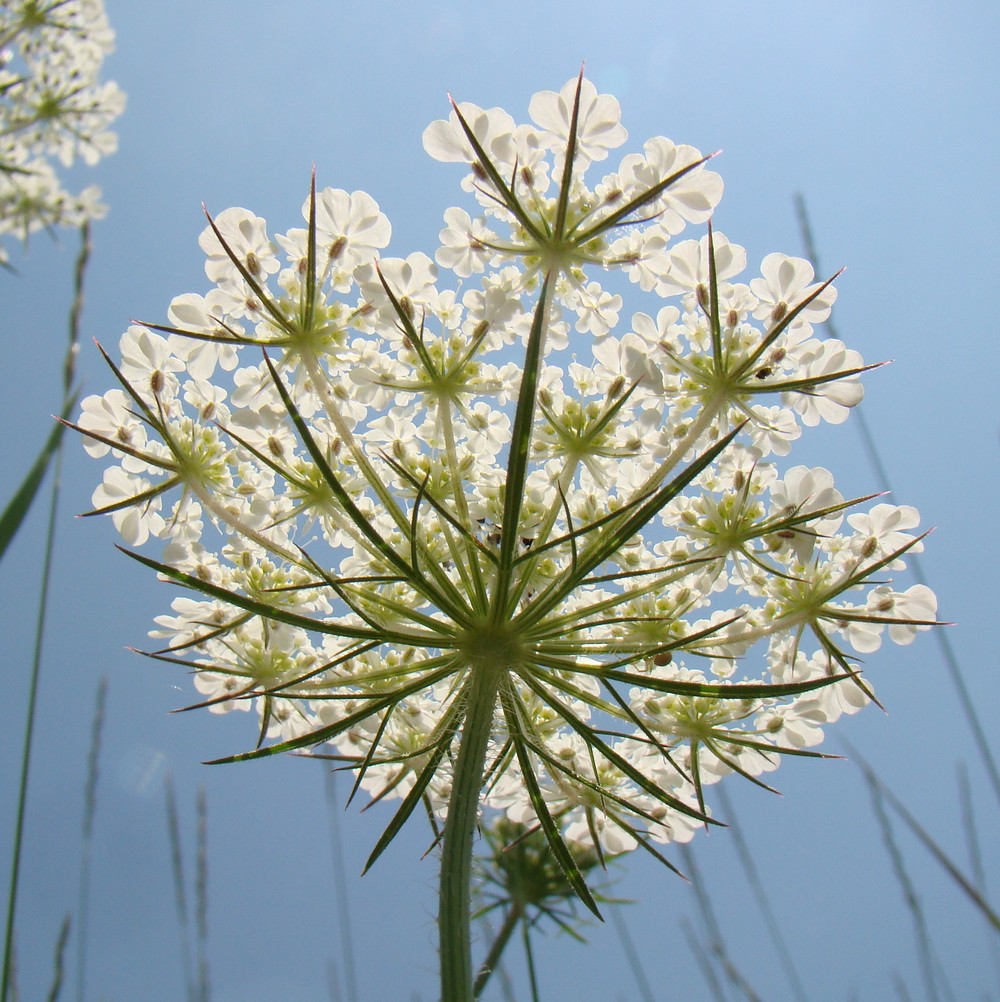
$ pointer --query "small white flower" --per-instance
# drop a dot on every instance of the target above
(916, 603)
(599, 126)
(688, 267)
(464, 244)
(245, 235)
(785, 283)
(137, 522)
(830, 400)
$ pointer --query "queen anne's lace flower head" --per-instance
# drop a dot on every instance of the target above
(53, 109)
(420, 511)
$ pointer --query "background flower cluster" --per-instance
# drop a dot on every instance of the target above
(54, 111)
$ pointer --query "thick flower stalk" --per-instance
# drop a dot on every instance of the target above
(490, 543)
(54, 109)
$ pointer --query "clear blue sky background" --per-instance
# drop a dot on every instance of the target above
(883, 113)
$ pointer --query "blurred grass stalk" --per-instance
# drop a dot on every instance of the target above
(194, 958)
(974, 849)
(13, 516)
(763, 903)
(89, 813)
(346, 964)
(931, 970)
(954, 872)
(714, 948)
(881, 795)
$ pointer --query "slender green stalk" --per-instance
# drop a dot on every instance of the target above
(29, 726)
(925, 949)
(459, 830)
(69, 369)
(90, 810)
(499, 944)
(746, 858)
(201, 896)
(180, 895)
(340, 891)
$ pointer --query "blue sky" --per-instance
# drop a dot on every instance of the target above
(882, 114)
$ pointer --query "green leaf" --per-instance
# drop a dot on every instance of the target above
(583, 530)
(808, 383)
(694, 690)
(836, 654)
(553, 836)
(231, 338)
(415, 336)
(20, 504)
(448, 600)
(137, 499)
(279, 615)
(375, 705)
(440, 508)
(269, 304)
(593, 740)
(567, 179)
(718, 362)
(309, 300)
(773, 334)
(447, 727)
(507, 196)
(608, 796)
(619, 534)
(619, 216)
(345, 499)
(150, 417)
(517, 462)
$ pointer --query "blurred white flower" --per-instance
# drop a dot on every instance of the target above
(54, 109)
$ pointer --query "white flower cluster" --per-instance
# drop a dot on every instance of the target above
(386, 516)
(53, 107)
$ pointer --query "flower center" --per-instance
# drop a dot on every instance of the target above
(491, 646)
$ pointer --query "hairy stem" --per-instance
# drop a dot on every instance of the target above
(459, 830)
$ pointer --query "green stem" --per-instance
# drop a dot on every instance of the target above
(529, 955)
(69, 374)
(29, 730)
(331, 408)
(489, 965)
(461, 503)
(459, 829)
(697, 429)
